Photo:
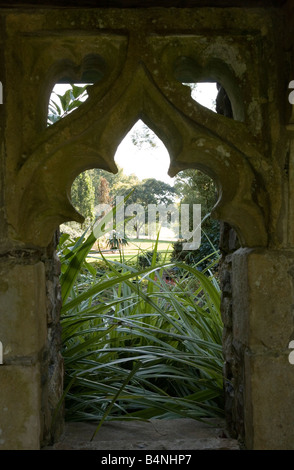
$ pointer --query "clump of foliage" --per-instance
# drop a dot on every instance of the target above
(197, 188)
(135, 346)
(145, 259)
(206, 255)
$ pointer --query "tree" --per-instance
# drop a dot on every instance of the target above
(82, 195)
(116, 242)
(143, 137)
(103, 191)
(195, 187)
(120, 183)
(151, 191)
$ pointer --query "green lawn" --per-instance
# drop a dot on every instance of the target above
(132, 249)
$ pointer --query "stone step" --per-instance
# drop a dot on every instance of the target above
(173, 434)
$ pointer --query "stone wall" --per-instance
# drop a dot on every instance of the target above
(52, 361)
(141, 59)
(31, 376)
(233, 366)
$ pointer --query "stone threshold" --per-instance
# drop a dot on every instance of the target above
(155, 434)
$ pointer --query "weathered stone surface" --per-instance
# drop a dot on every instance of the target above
(23, 320)
(269, 413)
(262, 329)
(52, 362)
(143, 3)
(20, 404)
(139, 74)
(263, 293)
(174, 434)
(139, 59)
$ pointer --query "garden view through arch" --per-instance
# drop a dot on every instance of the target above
(166, 136)
(168, 380)
(139, 73)
(141, 153)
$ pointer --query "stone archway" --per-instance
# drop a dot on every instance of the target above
(139, 57)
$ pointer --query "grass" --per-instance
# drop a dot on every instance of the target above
(136, 344)
(131, 250)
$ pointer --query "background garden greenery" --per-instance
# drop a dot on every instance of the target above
(141, 338)
(139, 343)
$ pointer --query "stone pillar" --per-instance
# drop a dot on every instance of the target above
(23, 334)
(262, 328)
(31, 378)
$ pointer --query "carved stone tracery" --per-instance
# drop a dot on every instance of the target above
(138, 60)
(138, 77)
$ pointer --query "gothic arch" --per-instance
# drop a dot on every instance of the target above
(194, 136)
(140, 57)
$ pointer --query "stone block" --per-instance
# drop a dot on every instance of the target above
(226, 311)
(263, 292)
(20, 400)
(23, 323)
(262, 317)
(269, 394)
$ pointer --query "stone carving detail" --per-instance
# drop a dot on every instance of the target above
(138, 60)
(138, 76)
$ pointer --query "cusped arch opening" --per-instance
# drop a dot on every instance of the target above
(142, 152)
(166, 130)
(142, 162)
(138, 144)
(65, 98)
(187, 70)
(125, 309)
(90, 69)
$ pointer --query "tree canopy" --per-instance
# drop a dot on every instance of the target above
(151, 191)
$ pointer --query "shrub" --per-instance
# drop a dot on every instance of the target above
(145, 259)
